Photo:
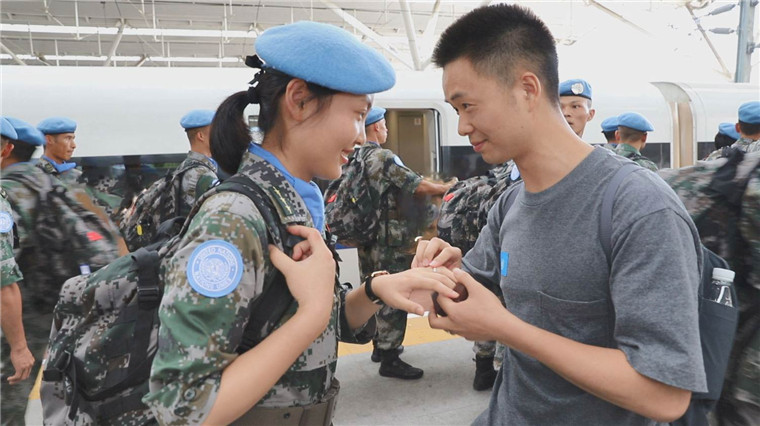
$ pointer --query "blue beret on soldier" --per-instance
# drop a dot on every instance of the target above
(7, 130)
(197, 118)
(729, 129)
(610, 124)
(635, 121)
(375, 114)
(326, 55)
(26, 132)
(575, 87)
(56, 125)
(749, 112)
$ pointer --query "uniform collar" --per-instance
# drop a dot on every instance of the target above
(197, 156)
(50, 166)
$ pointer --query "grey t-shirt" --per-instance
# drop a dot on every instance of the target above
(546, 255)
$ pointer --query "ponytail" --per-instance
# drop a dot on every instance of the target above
(230, 135)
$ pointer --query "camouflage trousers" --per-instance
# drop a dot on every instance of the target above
(740, 402)
(391, 328)
(15, 397)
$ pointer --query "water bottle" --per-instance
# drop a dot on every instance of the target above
(722, 279)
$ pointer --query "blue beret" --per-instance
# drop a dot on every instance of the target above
(325, 55)
(575, 87)
(610, 124)
(197, 118)
(635, 121)
(56, 125)
(375, 114)
(26, 132)
(7, 130)
(729, 129)
(749, 112)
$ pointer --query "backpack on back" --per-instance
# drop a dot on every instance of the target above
(105, 327)
(352, 212)
(158, 203)
(68, 238)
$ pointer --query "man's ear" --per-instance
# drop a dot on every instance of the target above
(531, 88)
(7, 149)
(591, 114)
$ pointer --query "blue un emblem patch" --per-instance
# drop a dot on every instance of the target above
(6, 222)
(215, 268)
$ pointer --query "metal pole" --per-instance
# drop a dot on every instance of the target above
(745, 45)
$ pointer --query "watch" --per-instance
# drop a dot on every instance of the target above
(368, 287)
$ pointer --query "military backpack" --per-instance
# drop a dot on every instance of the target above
(158, 203)
(105, 325)
(352, 210)
(68, 239)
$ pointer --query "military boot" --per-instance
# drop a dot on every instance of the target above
(392, 366)
(485, 375)
(376, 352)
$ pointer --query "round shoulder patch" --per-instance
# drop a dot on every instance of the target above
(398, 161)
(215, 268)
(6, 222)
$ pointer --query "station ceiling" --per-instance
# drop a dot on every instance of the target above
(221, 32)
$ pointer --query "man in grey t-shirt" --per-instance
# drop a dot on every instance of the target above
(588, 343)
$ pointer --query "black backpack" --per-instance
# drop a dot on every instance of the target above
(105, 326)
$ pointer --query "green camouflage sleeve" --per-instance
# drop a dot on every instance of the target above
(23, 202)
(199, 334)
(399, 176)
(195, 182)
(9, 270)
(647, 164)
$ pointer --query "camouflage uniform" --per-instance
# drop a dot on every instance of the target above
(394, 184)
(745, 144)
(13, 402)
(196, 180)
(628, 151)
(187, 369)
(109, 203)
(611, 146)
(37, 303)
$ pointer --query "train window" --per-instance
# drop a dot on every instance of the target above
(659, 153)
(704, 149)
(126, 176)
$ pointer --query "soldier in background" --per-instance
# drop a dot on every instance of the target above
(15, 352)
(200, 174)
(727, 135)
(632, 135)
(391, 252)
(575, 100)
(16, 154)
(748, 128)
(609, 130)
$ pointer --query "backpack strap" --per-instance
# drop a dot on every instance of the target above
(276, 297)
(605, 224)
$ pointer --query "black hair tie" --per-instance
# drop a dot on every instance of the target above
(254, 61)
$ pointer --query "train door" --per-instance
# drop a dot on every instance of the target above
(413, 134)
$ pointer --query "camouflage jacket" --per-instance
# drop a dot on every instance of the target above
(745, 144)
(611, 146)
(634, 155)
(109, 203)
(196, 180)
(9, 270)
(401, 216)
(199, 335)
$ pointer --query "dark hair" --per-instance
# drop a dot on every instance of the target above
(610, 136)
(628, 134)
(749, 128)
(230, 133)
(498, 39)
(722, 140)
(22, 151)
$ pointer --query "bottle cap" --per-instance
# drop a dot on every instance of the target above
(723, 274)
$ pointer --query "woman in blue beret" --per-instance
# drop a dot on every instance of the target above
(314, 90)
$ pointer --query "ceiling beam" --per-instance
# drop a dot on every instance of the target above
(411, 33)
(157, 32)
(15, 58)
(377, 38)
(114, 45)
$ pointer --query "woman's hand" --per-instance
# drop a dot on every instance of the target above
(310, 274)
(437, 253)
(411, 290)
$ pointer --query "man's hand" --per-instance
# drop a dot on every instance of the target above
(23, 361)
(437, 253)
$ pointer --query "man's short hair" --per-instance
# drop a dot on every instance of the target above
(628, 134)
(22, 151)
(192, 132)
(497, 39)
(610, 136)
(722, 140)
(749, 128)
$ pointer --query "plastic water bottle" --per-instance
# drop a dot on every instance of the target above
(722, 279)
